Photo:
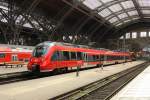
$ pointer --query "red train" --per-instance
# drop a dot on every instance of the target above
(49, 56)
(11, 54)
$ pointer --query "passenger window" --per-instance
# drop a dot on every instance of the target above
(94, 58)
(2, 55)
(90, 57)
(79, 55)
(102, 57)
(73, 55)
(55, 56)
(97, 57)
(65, 55)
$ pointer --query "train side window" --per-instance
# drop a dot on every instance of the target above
(102, 57)
(55, 56)
(2, 55)
(73, 55)
(65, 55)
(97, 58)
(79, 55)
(94, 58)
(90, 58)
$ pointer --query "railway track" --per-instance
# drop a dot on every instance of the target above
(103, 89)
(22, 76)
(14, 77)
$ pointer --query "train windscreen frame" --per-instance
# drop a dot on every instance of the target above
(40, 51)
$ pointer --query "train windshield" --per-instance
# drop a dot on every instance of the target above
(40, 51)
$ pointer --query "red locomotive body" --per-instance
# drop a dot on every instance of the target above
(48, 56)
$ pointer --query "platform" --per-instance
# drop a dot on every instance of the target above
(4, 70)
(46, 88)
(137, 89)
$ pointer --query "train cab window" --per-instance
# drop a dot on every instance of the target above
(2, 55)
(79, 55)
(65, 55)
(55, 56)
(40, 51)
(73, 55)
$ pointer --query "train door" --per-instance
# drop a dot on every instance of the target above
(85, 59)
(55, 59)
(14, 57)
(73, 59)
(65, 59)
(102, 59)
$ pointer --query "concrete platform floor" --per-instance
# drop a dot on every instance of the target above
(46, 88)
(137, 89)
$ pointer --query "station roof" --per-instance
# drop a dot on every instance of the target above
(98, 19)
(119, 12)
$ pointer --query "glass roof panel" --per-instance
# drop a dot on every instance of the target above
(115, 8)
(105, 1)
(132, 13)
(4, 20)
(114, 19)
(105, 12)
(146, 11)
(127, 4)
(92, 4)
(144, 3)
(3, 7)
(123, 15)
(128, 10)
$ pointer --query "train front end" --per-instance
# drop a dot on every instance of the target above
(39, 60)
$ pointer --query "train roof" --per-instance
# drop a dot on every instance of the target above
(65, 44)
(83, 48)
(16, 46)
